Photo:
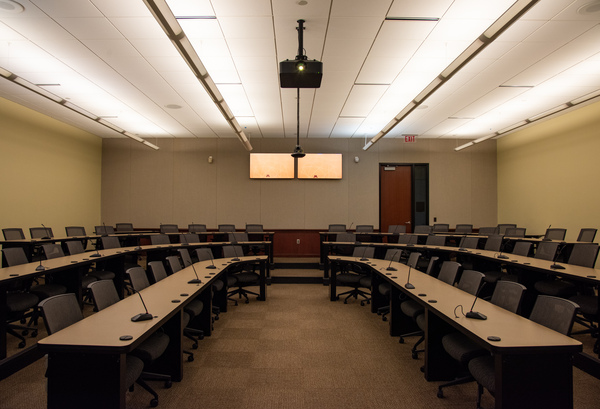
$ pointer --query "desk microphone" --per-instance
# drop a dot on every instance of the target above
(502, 256)
(144, 316)
(473, 314)
(236, 258)
(104, 230)
(555, 266)
(47, 236)
(350, 228)
(462, 241)
(389, 267)
(545, 238)
(408, 284)
(212, 265)
(97, 253)
(40, 267)
(363, 258)
(195, 280)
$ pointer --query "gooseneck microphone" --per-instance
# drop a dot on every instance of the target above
(350, 228)
(408, 284)
(47, 235)
(236, 258)
(473, 314)
(195, 280)
(144, 316)
(105, 232)
(363, 258)
(555, 266)
(389, 267)
(545, 238)
(212, 265)
(40, 267)
(502, 256)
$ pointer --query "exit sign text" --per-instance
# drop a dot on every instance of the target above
(410, 138)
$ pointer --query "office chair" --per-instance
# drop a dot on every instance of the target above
(75, 231)
(40, 232)
(521, 248)
(587, 235)
(254, 228)
(441, 228)
(124, 227)
(104, 230)
(112, 242)
(76, 247)
(364, 228)
(226, 228)
(336, 228)
(385, 287)
(423, 229)
(169, 228)
(197, 228)
(61, 311)
(508, 295)
(341, 249)
(53, 250)
(515, 232)
(502, 228)
(469, 242)
(463, 229)
(158, 239)
(13, 233)
(188, 238)
(488, 231)
(397, 228)
(552, 312)
(493, 243)
(243, 276)
(203, 254)
(351, 274)
(555, 234)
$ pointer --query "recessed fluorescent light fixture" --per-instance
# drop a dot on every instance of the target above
(412, 18)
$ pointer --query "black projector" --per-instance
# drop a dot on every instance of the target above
(291, 76)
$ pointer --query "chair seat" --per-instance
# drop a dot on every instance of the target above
(152, 348)
(588, 304)
(19, 302)
(246, 278)
(556, 288)
(411, 309)
(365, 281)
(231, 281)
(44, 291)
(482, 369)
(462, 348)
(133, 369)
(348, 279)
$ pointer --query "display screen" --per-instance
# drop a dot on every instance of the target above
(271, 166)
(320, 166)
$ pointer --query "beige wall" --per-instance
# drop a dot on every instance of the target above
(49, 172)
(549, 174)
(176, 184)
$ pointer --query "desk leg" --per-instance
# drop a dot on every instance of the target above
(399, 322)
(377, 299)
(171, 361)
(86, 381)
(3, 324)
(263, 281)
(534, 381)
(439, 366)
(332, 281)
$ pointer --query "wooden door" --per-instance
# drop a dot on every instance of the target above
(395, 196)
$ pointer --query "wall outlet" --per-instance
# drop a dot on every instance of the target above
(297, 241)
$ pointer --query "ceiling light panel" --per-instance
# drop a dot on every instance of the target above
(362, 99)
(191, 8)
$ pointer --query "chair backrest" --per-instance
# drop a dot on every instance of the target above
(104, 293)
(169, 228)
(110, 242)
(488, 231)
(75, 231)
(60, 311)
(508, 295)
(53, 250)
(432, 265)
(463, 228)
(436, 241)
(100, 230)
(254, 228)
(15, 256)
(232, 251)
(448, 272)
(40, 232)
(189, 238)
(122, 227)
(522, 248)
(405, 238)
(505, 226)
(584, 254)
(397, 228)
(156, 239)
(197, 228)
(204, 254)
(174, 263)
(441, 228)
(138, 278)
(363, 252)
(393, 254)
(413, 259)
(546, 250)
(345, 237)
(236, 237)
(493, 243)
(555, 234)
(470, 280)
(364, 228)
(587, 235)
(515, 232)
(226, 228)
(469, 242)
(157, 270)
(554, 312)
(75, 247)
(337, 228)
(422, 229)
(186, 258)
(13, 233)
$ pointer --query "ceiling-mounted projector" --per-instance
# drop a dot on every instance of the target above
(301, 72)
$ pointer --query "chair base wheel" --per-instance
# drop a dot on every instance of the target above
(384, 319)
(401, 340)
(194, 346)
(22, 344)
(190, 358)
(415, 355)
(168, 384)
(440, 394)
(154, 403)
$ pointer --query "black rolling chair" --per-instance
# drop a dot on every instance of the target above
(351, 275)
(515, 232)
(502, 228)
(63, 310)
(385, 288)
(188, 238)
(104, 230)
(423, 229)
(521, 248)
(488, 231)
(169, 228)
(54, 251)
(587, 235)
(552, 312)
(441, 228)
(397, 228)
(160, 239)
(77, 231)
(336, 228)
(555, 234)
(463, 229)
(508, 295)
(124, 227)
(40, 232)
(244, 277)
(343, 249)
(203, 254)
(76, 247)
(226, 228)
(13, 233)
(197, 228)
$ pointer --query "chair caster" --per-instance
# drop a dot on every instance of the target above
(415, 355)
(384, 319)
(154, 403)
(194, 346)
(168, 384)
(345, 301)
(25, 332)
(440, 393)
(21, 345)
(34, 333)
(190, 358)
(401, 340)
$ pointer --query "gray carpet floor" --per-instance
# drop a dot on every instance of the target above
(295, 350)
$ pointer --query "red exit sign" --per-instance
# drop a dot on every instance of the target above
(410, 138)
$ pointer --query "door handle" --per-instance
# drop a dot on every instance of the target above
(408, 222)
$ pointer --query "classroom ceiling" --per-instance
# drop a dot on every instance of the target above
(112, 61)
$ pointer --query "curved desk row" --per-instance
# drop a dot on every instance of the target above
(527, 353)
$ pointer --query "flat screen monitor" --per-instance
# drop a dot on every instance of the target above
(320, 166)
(271, 166)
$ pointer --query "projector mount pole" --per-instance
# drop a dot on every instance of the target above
(300, 29)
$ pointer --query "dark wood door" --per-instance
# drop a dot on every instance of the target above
(395, 196)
